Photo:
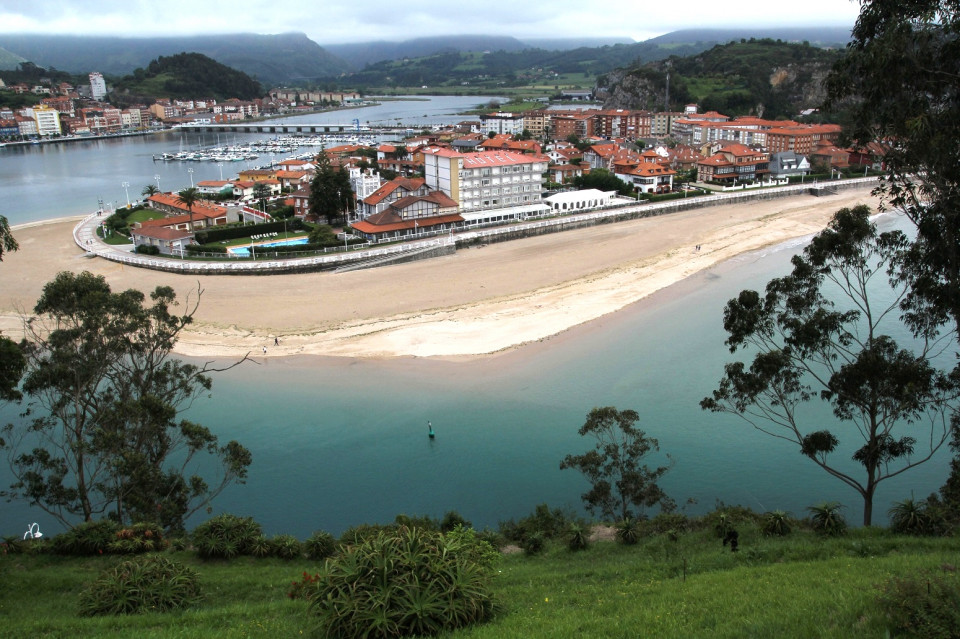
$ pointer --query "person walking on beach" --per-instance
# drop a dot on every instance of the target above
(264, 350)
(276, 341)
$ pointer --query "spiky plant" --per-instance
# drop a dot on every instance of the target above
(628, 531)
(320, 545)
(149, 583)
(400, 583)
(776, 523)
(910, 517)
(577, 537)
(826, 518)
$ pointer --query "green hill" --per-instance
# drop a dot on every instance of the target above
(189, 75)
(675, 584)
(767, 77)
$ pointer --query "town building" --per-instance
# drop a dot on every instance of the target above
(733, 162)
(47, 119)
(98, 87)
(477, 181)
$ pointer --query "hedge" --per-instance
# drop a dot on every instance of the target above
(208, 236)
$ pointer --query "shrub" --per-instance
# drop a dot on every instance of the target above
(826, 518)
(451, 520)
(138, 538)
(399, 583)
(301, 589)
(286, 547)
(925, 604)
(261, 547)
(226, 536)
(416, 521)
(550, 523)
(320, 545)
(88, 538)
(577, 537)
(910, 517)
(665, 523)
(628, 531)
(468, 543)
(146, 249)
(777, 523)
(151, 583)
(356, 535)
(533, 544)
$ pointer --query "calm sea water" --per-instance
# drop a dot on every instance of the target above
(44, 181)
(338, 442)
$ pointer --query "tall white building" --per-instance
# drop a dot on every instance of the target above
(98, 87)
(488, 180)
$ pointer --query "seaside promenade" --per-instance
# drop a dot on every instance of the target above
(86, 238)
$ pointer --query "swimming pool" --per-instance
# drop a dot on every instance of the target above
(244, 251)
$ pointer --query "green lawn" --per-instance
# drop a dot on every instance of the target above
(796, 586)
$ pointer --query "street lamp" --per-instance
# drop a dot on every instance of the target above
(157, 178)
(126, 191)
(190, 171)
(220, 165)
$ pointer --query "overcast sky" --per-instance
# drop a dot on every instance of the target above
(338, 21)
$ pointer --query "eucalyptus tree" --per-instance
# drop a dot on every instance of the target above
(818, 335)
(106, 437)
(619, 480)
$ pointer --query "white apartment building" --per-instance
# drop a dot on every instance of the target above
(487, 180)
(98, 86)
(502, 123)
(47, 119)
(364, 182)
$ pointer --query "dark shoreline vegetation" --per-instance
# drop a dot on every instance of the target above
(673, 576)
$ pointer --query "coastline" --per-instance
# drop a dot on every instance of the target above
(475, 303)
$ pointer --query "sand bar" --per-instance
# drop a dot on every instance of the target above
(478, 301)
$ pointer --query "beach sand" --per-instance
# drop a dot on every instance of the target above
(478, 301)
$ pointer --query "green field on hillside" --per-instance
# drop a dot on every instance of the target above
(681, 586)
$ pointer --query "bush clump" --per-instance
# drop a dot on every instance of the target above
(320, 545)
(88, 538)
(400, 583)
(151, 583)
(826, 519)
(226, 536)
(138, 538)
(776, 523)
(925, 604)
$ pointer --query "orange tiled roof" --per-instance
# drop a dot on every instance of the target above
(389, 221)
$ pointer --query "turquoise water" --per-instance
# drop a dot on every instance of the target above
(337, 442)
(245, 250)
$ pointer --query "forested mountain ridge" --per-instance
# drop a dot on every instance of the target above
(288, 58)
(188, 75)
(765, 77)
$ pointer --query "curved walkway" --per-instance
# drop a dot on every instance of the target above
(84, 234)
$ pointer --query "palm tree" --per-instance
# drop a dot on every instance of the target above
(189, 197)
(149, 190)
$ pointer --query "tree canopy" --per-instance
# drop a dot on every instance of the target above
(621, 485)
(819, 334)
(109, 440)
(331, 194)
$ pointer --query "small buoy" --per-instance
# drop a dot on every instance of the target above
(430, 434)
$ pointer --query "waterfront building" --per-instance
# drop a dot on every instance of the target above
(47, 120)
(733, 162)
(501, 123)
(170, 241)
(98, 87)
(476, 181)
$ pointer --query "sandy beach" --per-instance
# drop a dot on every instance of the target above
(479, 301)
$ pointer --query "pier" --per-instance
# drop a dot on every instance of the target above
(295, 128)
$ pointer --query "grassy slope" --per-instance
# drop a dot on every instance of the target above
(798, 586)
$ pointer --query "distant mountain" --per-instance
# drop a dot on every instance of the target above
(360, 54)
(9, 60)
(289, 58)
(566, 44)
(824, 37)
